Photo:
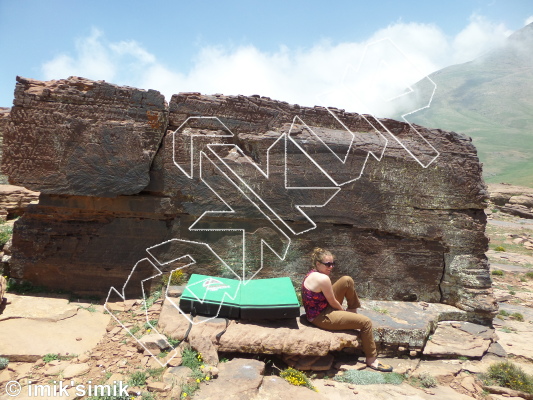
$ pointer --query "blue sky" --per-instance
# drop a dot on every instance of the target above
(289, 50)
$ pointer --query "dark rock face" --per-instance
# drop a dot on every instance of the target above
(4, 121)
(82, 137)
(402, 211)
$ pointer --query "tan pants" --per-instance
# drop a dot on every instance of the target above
(335, 320)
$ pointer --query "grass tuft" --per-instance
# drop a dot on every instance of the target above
(427, 381)
(517, 316)
(509, 375)
(370, 378)
(138, 378)
(6, 231)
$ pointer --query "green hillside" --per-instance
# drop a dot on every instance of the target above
(491, 100)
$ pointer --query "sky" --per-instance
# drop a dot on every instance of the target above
(355, 55)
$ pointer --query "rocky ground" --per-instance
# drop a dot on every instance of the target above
(96, 349)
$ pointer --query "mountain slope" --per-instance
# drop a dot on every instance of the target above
(491, 100)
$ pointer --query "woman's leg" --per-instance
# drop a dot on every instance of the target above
(345, 288)
(335, 320)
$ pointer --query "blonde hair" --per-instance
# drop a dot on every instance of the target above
(318, 254)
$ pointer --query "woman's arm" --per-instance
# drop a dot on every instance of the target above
(326, 288)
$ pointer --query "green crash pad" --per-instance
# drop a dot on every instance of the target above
(256, 299)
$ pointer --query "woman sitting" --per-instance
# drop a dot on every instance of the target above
(322, 303)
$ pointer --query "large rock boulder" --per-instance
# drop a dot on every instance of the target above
(401, 209)
(512, 199)
(81, 137)
(4, 121)
(14, 200)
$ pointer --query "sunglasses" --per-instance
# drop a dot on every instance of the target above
(328, 264)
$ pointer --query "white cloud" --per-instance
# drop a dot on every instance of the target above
(528, 20)
(478, 37)
(93, 60)
(97, 59)
(411, 52)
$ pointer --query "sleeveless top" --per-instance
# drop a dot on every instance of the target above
(314, 302)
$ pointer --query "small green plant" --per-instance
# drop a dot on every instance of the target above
(512, 292)
(296, 378)
(156, 373)
(163, 354)
(176, 278)
(149, 302)
(3, 362)
(509, 375)
(427, 381)
(369, 378)
(191, 358)
(506, 329)
(50, 357)
(529, 274)
(173, 342)
(380, 310)
(6, 231)
(198, 375)
(23, 287)
(188, 389)
(89, 308)
(223, 360)
(517, 316)
(135, 329)
(150, 325)
(463, 358)
(504, 313)
(497, 272)
(138, 378)
(499, 248)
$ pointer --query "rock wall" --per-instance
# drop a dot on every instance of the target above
(511, 199)
(4, 120)
(14, 200)
(121, 172)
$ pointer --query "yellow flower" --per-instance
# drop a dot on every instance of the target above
(198, 380)
(206, 378)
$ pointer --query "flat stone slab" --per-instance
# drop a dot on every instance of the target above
(514, 336)
(406, 323)
(395, 324)
(50, 309)
(454, 339)
(237, 379)
(509, 267)
(29, 338)
(341, 391)
(261, 337)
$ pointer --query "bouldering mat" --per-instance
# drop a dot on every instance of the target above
(270, 298)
